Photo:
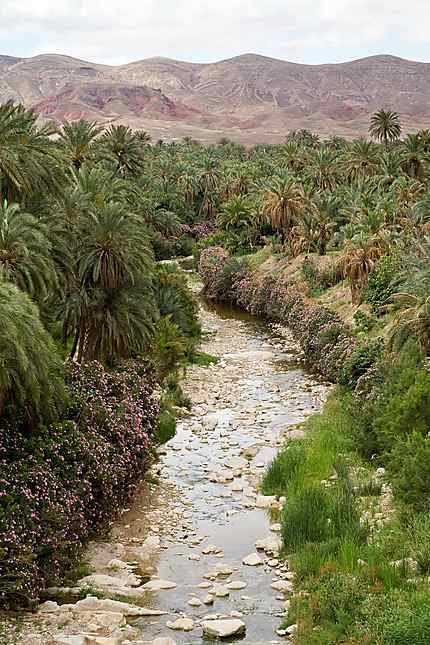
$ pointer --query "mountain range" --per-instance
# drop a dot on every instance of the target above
(249, 98)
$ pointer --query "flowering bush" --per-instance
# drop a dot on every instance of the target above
(60, 482)
(327, 342)
(200, 230)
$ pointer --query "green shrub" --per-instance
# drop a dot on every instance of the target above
(408, 467)
(318, 514)
(358, 362)
(363, 321)
(380, 284)
(399, 619)
(284, 468)
(166, 429)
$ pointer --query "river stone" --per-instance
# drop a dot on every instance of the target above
(294, 434)
(276, 528)
(205, 585)
(159, 585)
(252, 560)
(195, 602)
(181, 624)
(118, 583)
(163, 641)
(236, 585)
(209, 599)
(269, 545)
(265, 501)
(237, 486)
(249, 452)
(236, 463)
(219, 572)
(221, 591)
(92, 604)
(284, 586)
(223, 628)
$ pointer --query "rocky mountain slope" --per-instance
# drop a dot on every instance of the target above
(249, 98)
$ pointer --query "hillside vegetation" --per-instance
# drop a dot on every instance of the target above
(345, 264)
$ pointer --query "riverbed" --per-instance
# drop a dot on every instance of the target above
(200, 514)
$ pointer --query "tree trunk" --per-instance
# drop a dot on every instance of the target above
(322, 240)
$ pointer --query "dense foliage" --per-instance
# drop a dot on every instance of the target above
(344, 257)
(90, 328)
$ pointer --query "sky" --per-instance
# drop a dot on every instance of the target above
(303, 31)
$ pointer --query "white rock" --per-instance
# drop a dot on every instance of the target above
(163, 641)
(284, 586)
(209, 599)
(270, 545)
(265, 501)
(49, 607)
(223, 628)
(181, 624)
(236, 463)
(159, 585)
(221, 591)
(195, 602)
(276, 528)
(252, 560)
(236, 585)
(92, 604)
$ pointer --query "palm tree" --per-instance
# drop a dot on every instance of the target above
(358, 260)
(208, 182)
(235, 214)
(31, 380)
(78, 140)
(413, 157)
(114, 248)
(324, 210)
(412, 321)
(25, 251)
(385, 126)
(412, 299)
(124, 148)
(30, 160)
(361, 160)
(283, 202)
(109, 305)
(323, 170)
(117, 323)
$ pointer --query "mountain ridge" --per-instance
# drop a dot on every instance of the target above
(250, 98)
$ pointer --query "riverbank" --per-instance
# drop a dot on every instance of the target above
(200, 513)
(355, 523)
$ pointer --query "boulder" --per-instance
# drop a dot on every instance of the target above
(265, 501)
(92, 604)
(159, 585)
(181, 624)
(284, 586)
(252, 560)
(223, 628)
(236, 585)
(270, 545)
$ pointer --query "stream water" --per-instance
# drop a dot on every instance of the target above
(243, 405)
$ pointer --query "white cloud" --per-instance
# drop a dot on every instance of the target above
(202, 30)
